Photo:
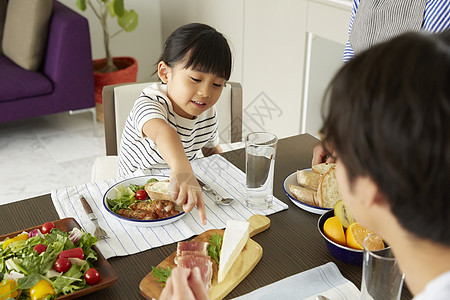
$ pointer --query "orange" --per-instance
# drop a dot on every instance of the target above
(334, 231)
(356, 233)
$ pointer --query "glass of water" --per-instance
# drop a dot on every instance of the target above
(381, 276)
(260, 149)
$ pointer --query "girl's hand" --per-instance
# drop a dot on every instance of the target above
(185, 190)
(185, 284)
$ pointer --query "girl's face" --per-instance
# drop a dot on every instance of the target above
(191, 92)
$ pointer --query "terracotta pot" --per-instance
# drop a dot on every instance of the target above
(127, 72)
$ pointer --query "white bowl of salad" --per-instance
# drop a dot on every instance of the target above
(128, 202)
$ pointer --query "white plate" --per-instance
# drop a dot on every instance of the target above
(141, 180)
(292, 179)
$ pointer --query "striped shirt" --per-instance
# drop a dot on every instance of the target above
(140, 153)
(436, 18)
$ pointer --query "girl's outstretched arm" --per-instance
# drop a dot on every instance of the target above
(184, 186)
(210, 151)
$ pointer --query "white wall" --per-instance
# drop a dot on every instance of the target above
(267, 40)
(274, 42)
(268, 43)
(144, 43)
(227, 17)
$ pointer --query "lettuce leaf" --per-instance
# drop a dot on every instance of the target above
(70, 281)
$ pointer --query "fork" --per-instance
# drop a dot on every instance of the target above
(99, 232)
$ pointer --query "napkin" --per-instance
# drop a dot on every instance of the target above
(325, 280)
(214, 170)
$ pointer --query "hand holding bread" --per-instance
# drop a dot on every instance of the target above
(317, 187)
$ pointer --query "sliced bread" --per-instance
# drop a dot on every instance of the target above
(328, 191)
(323, 168)
(307, 178)
(305, 194)
(158, 190)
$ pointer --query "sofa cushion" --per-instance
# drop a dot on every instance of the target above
(16, 83)
(25, 32)
(2, 20)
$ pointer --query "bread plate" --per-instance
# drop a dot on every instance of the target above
(140, 180)
(292, 179)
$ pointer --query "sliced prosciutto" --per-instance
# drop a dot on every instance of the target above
(202, 262)
(191, 254)
(192, 246)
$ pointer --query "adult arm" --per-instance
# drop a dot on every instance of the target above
(320, 155)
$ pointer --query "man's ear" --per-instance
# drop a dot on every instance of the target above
(374, 195)
(163, 71)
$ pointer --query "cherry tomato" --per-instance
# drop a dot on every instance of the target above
(62, 264)
(92, 276)
(47, 227)
(39, 248)
(141, 195)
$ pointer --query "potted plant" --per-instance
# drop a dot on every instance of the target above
(111, 70)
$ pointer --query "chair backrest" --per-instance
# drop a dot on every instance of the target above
(118, 100)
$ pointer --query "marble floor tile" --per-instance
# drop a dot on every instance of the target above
(45, 153)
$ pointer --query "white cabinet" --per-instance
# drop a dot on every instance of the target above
(326, 36)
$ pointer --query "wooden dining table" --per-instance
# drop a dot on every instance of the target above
(291, 245)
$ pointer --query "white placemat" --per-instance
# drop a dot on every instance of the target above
(215, 170)
(325, 280)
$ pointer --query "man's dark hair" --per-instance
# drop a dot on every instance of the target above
(200, 47)
(388, 118)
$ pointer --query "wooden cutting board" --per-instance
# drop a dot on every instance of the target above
(244, 264)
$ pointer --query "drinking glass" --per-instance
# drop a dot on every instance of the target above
(260, 150)
(381, 276)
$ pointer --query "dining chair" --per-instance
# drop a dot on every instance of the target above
(118, 101)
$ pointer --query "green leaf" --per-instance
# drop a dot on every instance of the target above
(135, 187)
(81, 4)
(86, 242)
(51, 254)
(161, 274)
(71, 280)
(215, 246)
(118, 7)
(128, 21)
(28, 282)
(110, 6)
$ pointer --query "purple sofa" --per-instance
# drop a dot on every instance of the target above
(65, 79)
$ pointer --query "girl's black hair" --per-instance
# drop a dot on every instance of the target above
(200, 47)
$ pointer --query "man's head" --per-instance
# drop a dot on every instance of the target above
(388, 119)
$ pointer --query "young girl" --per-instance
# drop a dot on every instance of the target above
(172, 121)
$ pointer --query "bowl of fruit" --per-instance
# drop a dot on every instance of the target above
(345, 237)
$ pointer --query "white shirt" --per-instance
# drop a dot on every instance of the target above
(436, 18)
(140, 153)
(437, 289)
